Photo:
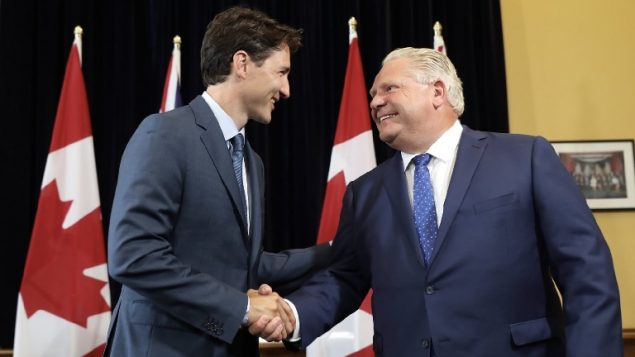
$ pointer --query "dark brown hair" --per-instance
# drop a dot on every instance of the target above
(241, 28)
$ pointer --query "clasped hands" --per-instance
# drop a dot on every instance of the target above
(269, 316)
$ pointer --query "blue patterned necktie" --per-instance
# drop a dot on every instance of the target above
(425, 213)
(238, 143)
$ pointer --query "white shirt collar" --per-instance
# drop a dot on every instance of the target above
(227, 125)
(443, 149)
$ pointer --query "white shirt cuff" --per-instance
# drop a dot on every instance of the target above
(246, 317)
(295, 336)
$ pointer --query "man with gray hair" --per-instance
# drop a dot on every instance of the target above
(465, 237)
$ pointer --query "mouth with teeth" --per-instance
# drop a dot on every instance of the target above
(386, 116)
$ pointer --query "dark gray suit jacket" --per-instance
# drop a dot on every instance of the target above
(180, 247)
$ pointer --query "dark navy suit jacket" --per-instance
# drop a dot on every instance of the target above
(180, 247)
(513, 220)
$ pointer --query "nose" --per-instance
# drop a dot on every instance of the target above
(376, 103)
(285, 89)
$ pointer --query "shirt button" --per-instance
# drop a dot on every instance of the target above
(430, 289)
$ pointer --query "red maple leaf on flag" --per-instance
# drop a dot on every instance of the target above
(53, 278)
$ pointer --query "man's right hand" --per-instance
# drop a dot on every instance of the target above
(269, 316)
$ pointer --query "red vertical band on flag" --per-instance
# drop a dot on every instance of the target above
(354, 115)
(365, 352)
(166, 86)
(331, 208)
(72, 121)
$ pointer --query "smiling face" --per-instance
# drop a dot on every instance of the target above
(265, 84)
(403, 109)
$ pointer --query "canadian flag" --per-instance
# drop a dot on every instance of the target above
(172, 88)
(64, 299)
(353, 155)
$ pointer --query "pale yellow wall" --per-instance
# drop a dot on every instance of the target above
(571, 75)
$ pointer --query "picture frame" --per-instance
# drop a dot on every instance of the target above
(603, 169)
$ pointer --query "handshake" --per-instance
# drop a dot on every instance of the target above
(269, 315)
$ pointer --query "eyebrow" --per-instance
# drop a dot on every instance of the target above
(381, 85)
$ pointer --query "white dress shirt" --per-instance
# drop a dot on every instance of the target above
(441, 166)
(229, 129)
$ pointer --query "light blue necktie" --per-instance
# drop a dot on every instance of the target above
(425, 213)
(238, 143)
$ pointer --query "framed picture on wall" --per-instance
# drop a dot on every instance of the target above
(604, 171)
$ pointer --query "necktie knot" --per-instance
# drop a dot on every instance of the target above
(422, 159)
(238, 143)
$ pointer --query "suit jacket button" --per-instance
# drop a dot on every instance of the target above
(430, 289)
(425, 343)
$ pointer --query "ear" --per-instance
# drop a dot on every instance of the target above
(239, 63)
(439, 94)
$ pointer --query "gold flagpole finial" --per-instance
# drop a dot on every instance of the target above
(78, 31)
(177, 41)
(78, 41)
(352, 29)
(437, 28)
(352, 24)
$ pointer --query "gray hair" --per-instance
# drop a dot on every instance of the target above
(431, 66)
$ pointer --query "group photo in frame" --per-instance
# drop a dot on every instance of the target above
(604, 170)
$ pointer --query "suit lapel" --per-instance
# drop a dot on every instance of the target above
(397, 188)
(256, 179)
(212, 138)
(471, 148)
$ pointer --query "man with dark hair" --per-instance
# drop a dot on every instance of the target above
(186, 229)
(242, 29)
